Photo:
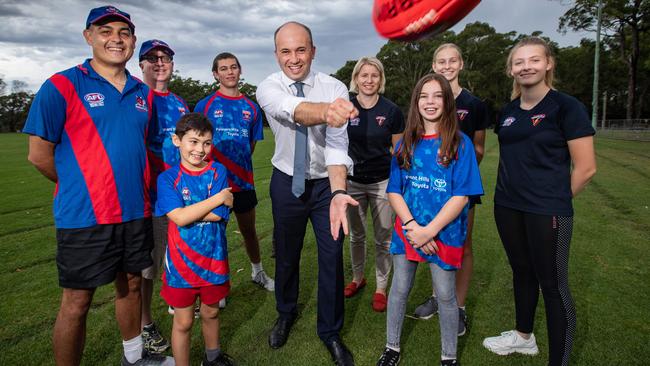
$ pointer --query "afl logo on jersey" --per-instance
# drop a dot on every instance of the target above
(218, 113)
(536, 119)
(186, 193)
(141, 104)
(462, 113)
(380, 120)
(354, 121)
(94, 99)
(246, 115)
(508, 121)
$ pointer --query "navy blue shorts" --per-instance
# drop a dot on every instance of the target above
(244, 201)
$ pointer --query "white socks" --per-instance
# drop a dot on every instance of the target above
(133, 348)
(257, 268)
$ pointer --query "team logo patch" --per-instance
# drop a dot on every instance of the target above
(508, 121)
(141, 104)
(111, 9)
(380, 120)
(182, 110)
(354, 121)
(186, 193)
(218, 113)
(440, 183)
(246, 115)
(536, 119)
(94, 99)
(462, 113)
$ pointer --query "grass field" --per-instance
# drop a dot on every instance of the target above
(608, 274)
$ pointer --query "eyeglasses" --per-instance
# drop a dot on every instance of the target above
(154, 59)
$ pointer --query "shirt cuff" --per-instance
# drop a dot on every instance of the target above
(338, 157)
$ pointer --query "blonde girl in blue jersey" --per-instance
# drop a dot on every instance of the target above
(432, 173)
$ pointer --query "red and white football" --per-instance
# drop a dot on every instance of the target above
(408, 20)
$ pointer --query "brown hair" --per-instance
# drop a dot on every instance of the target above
(447, 127)
(193, 121)
(531, 41)
(223, 56)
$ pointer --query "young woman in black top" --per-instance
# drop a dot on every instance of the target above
(546, 158)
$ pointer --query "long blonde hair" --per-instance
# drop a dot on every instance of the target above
(373, 61)
(531, 41)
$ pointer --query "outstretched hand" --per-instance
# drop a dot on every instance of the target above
(338, 214)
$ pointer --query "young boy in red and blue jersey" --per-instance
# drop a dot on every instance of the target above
(196, 198)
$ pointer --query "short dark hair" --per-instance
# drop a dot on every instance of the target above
(306, 28)
(223, 56)
(193, 121)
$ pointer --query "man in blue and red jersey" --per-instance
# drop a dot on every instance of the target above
(238, 126)
(88, 127)
(157, 64)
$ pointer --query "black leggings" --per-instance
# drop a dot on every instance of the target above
(538, 251)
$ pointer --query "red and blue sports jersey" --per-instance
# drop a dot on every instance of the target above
(426, 187)
(100, 154)
(161, 151)
(196, 254)
(237, 125)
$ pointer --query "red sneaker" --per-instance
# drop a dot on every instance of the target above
(352, 288)
(379, 302)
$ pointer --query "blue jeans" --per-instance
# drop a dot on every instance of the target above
(444, 283)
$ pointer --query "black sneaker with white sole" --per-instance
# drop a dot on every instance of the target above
(389, 358)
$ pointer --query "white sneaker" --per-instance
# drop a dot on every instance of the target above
(262, 279)
(510, 342)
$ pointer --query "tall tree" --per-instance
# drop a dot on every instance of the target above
(623, 22)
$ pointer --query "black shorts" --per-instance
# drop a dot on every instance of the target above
(91, 257)
(244, 201)
(473, 201)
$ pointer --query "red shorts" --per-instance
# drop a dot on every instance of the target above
(184, 297)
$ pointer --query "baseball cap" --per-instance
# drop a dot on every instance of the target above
(154, 43)
(107, 11)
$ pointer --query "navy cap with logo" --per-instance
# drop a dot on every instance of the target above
(105, 12)
(152, 44)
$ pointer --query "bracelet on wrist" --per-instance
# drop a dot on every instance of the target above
(408, 222)
(338, 191)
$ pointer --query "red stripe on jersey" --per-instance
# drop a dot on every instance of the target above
(411, 253)
(182, 268)
(90, 154)
(208, 104)
(237, 170)
(149, 179)
(218, 267)
(450, 254)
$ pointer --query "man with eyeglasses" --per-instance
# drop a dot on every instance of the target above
(157, 64)
(87, 128)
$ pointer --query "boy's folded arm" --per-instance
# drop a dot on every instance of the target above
(211, 217)
(184, 216)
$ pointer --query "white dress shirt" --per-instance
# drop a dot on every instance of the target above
(327, 145)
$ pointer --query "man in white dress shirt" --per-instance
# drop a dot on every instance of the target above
(308, 113)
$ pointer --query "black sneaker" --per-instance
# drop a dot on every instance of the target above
(222, 360)
(153, 341)
(427, 309)
(462, 322)
(453, 362)
(389, 358)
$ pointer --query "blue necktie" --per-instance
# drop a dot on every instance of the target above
(300, 153)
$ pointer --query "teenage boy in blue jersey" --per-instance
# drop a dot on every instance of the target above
(157, 65)
(88, 126)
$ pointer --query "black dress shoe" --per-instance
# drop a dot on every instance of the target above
(280, 332)
(341, 355)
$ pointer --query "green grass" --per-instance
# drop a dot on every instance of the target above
(608, 274)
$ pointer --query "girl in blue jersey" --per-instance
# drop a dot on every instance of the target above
(432, 174)
(546, 158)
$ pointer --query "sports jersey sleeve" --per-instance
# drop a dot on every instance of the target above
(574, 120)
(397, 122)
(466, 179)
(47, 114)
(395, 178)
(169, 198)
(257, 128)
(200, 106)
(221, 183)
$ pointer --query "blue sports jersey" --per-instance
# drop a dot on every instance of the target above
(196, 254)
(426, 187)
(237, 125)
(161, 151)
(99, 136)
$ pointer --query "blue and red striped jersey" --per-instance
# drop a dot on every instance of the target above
(426, 187)
(161, 151)
(196, 254)
(99, 135)
(237, 125)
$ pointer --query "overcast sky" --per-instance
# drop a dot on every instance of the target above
(39, 38)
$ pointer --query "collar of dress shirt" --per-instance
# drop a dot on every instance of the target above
(309, 80)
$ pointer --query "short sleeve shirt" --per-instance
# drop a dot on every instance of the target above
(370, 139)
(196, 254)
(472, 113)
(100, 155)
(237, 123)
(426, 187)
(534, 162)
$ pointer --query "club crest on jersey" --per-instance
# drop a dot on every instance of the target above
(439, 185)
(186, 193)
(94, 99)
(246, 115)
(380, 120)
(354, 121)
(536, 119)
(141, 104)
(508, 121)
(218, 113)
(182, 110)
(462, 113)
